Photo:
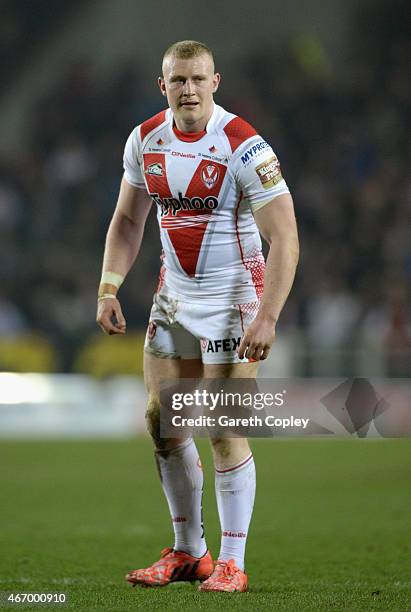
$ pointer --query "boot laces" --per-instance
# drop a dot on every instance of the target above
(228, 568)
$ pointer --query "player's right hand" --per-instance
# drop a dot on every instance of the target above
(110, 317)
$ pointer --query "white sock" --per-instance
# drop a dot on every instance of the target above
(182, 479)
(235, 491)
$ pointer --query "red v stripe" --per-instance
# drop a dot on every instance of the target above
(187, 241)
(206, 181)
(206, 171)
(157, 183)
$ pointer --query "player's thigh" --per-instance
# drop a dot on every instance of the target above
(229, 451)
(157, 370)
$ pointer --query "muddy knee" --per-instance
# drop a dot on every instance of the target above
(222, 446)
(229, 451)
(153, 418)
(153, 423)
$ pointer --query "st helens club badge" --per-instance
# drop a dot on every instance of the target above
(210, 175)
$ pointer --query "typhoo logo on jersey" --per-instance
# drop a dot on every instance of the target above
(215, 346)
(171, 206)
(253, 151)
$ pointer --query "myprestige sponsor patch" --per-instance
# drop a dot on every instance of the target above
(269, 172)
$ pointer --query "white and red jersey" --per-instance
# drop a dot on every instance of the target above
(206, 186)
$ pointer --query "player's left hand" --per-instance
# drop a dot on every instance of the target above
(257, 340)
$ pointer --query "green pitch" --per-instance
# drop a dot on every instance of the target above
(331, 528)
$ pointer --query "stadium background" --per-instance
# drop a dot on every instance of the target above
(327, 84)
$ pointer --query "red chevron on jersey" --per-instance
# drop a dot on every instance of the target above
(186, 229)
(237, 131)
(207, 180)
(151, 124)
(155, 174)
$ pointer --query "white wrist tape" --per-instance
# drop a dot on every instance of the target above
(112, 278)
(107, 296)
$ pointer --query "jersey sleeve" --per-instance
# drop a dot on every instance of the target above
(257, 171)
(131, 164)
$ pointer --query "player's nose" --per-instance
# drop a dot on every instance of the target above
(188, 88)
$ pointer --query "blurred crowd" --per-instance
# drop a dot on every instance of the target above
(24, 26)
(342, 137)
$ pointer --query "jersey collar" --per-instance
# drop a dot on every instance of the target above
(188, 136)
(193, 136)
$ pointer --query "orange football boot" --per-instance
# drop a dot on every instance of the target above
(226, 577)
(173, 566)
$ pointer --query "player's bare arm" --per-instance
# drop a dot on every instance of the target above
(277, 225)
(123, 243)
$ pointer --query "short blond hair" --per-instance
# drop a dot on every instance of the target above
(186, 49)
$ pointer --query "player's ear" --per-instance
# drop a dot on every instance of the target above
(216, 81)
(162, 86)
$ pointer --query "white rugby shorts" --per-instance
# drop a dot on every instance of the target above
(197, 330)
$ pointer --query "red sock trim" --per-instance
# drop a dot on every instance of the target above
(235, 467)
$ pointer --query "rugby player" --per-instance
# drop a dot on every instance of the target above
(217, 186)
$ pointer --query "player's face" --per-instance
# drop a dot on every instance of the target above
(189, 85)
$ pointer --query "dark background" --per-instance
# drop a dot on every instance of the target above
(329, 89)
